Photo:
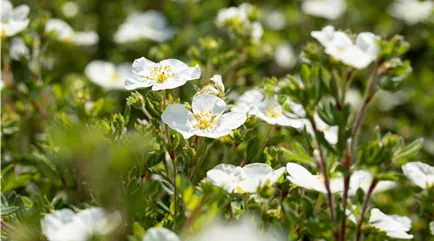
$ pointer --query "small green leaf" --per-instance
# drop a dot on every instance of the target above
(7, 211)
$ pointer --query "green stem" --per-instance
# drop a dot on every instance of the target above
(246, 203)
(146, 113)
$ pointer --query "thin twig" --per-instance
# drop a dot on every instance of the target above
(322, 166)
(369, 93)
(347, 176)
(364, 208)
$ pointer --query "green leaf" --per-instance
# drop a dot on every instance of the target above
(252, 148)
(409, 150)
(305, 74)
(298, 153)
(7, 211)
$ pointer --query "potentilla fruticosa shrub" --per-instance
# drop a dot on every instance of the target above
(216, 120)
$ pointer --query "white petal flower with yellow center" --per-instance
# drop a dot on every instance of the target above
(166, 74)
(393, 225)
(160, 234)
(329, 9)
(273, 113)
(420, 174)
(238, 17)
(411, 11)
(14, 20)
(107, 75)
(144, 25)
(65, 225)
(243, 179)
(248, 101)
(63, 32)
(340, 46)
(207, 118)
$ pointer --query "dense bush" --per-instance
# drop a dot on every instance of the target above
(173, 120)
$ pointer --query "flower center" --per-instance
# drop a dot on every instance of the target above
(238, 179)
(204, 120)
(273, 112)
(341, 50)
(115, 78)
(161, 73)
(234, 22)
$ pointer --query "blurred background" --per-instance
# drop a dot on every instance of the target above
(54, 93)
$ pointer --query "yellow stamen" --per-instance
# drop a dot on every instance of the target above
(161, 73)
(115, 78)
(204, 120)
(273, 112)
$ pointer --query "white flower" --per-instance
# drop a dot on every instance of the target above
(329, 9)
(339, 45)
(244, 230)
(215, 88)
(65, 225)
(218, 82)
(144, 25)
(14, 20)
(411, 11)
(248, 101)
(160, 234)
(395, 226)
(419, 173)
(207, 118)
(331, 133)
(18, 49)
(284, 56)
(107, 75)
(64, 32)
(275, 20)
(300, 176)
(273, 113)
(245, 179)
(166, 74)
(238, 17)
(362, 179)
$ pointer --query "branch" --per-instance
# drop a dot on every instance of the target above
(322, 166)
(364, 208)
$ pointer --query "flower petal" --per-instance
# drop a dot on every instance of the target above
(20, 12)
(300, 176)
(419, 173)
(160, 234)
(142, 65)
(257, 170)
(170, 83)
(207, 103)
(176, 116)
(100, 72)
(232, 120)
